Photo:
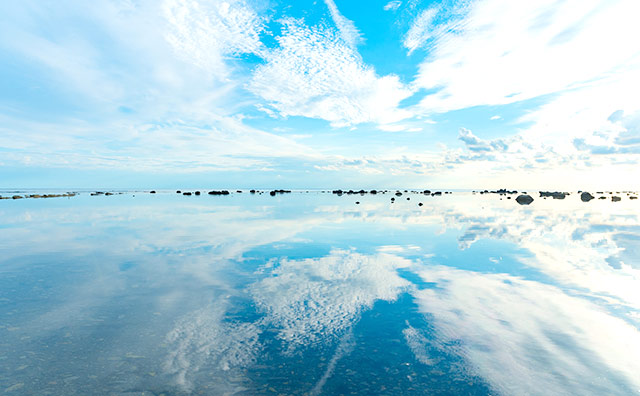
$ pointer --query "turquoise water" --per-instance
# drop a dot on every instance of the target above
(310, 294)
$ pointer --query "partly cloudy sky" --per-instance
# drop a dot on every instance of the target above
(324, 93)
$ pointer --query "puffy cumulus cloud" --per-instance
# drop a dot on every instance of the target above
(621, 137)
(313, 299)
(315, 73)
(525, 337)
(206, 33)
(498, 52)
(473, 143)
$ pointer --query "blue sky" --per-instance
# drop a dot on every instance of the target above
(325, 93)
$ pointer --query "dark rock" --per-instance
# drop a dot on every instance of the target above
(420, 204)
(152, 192)
(357, 202)
(586, 197)
(274, 192)
(398, 194)
(186, 193)
(197, 192)
(603, 198)
(633, 197)
(408, 198)
(108, 194)
(615, 198)
(239, 191)
(554, 195)
(373, 192)
(426, 192)
(214, 192)
(436, 193)
(252, 191)
(524, 199)
(17, 197)
(178, 192)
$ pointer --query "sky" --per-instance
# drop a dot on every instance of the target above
(452, 94)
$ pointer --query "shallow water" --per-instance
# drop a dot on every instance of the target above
(309, 294)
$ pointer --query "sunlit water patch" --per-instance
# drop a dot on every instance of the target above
(311, 293)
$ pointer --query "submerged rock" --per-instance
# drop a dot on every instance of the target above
(586, 197)
(616, 198)
(524, 199)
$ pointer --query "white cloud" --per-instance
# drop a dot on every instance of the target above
(502, 52)
(348, 31)
(393, 5)
(315, 73)
(321, 298)
(420, 30)
(206, 33)
(524, 337)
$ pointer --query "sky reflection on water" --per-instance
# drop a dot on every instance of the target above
(309, 293)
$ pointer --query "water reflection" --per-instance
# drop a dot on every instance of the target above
(310, 294)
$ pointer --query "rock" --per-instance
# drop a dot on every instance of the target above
(252, 191)
(274, 192)
(554, 195)
(420, 204)
(603, 198)
(427, 192)
(239, 191)
(178, 192)
(152, 192)
(186, 193)
(197, 192)
(436, 193)
(357, 202)
(524, 199)
(108, 194)
(586, 197)
(615, 198)
(17, 197)
(374, 192)
(408, 198)
(214, 192)
(398, 194)
(633, 197)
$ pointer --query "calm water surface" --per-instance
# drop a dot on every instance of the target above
(310, 294)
